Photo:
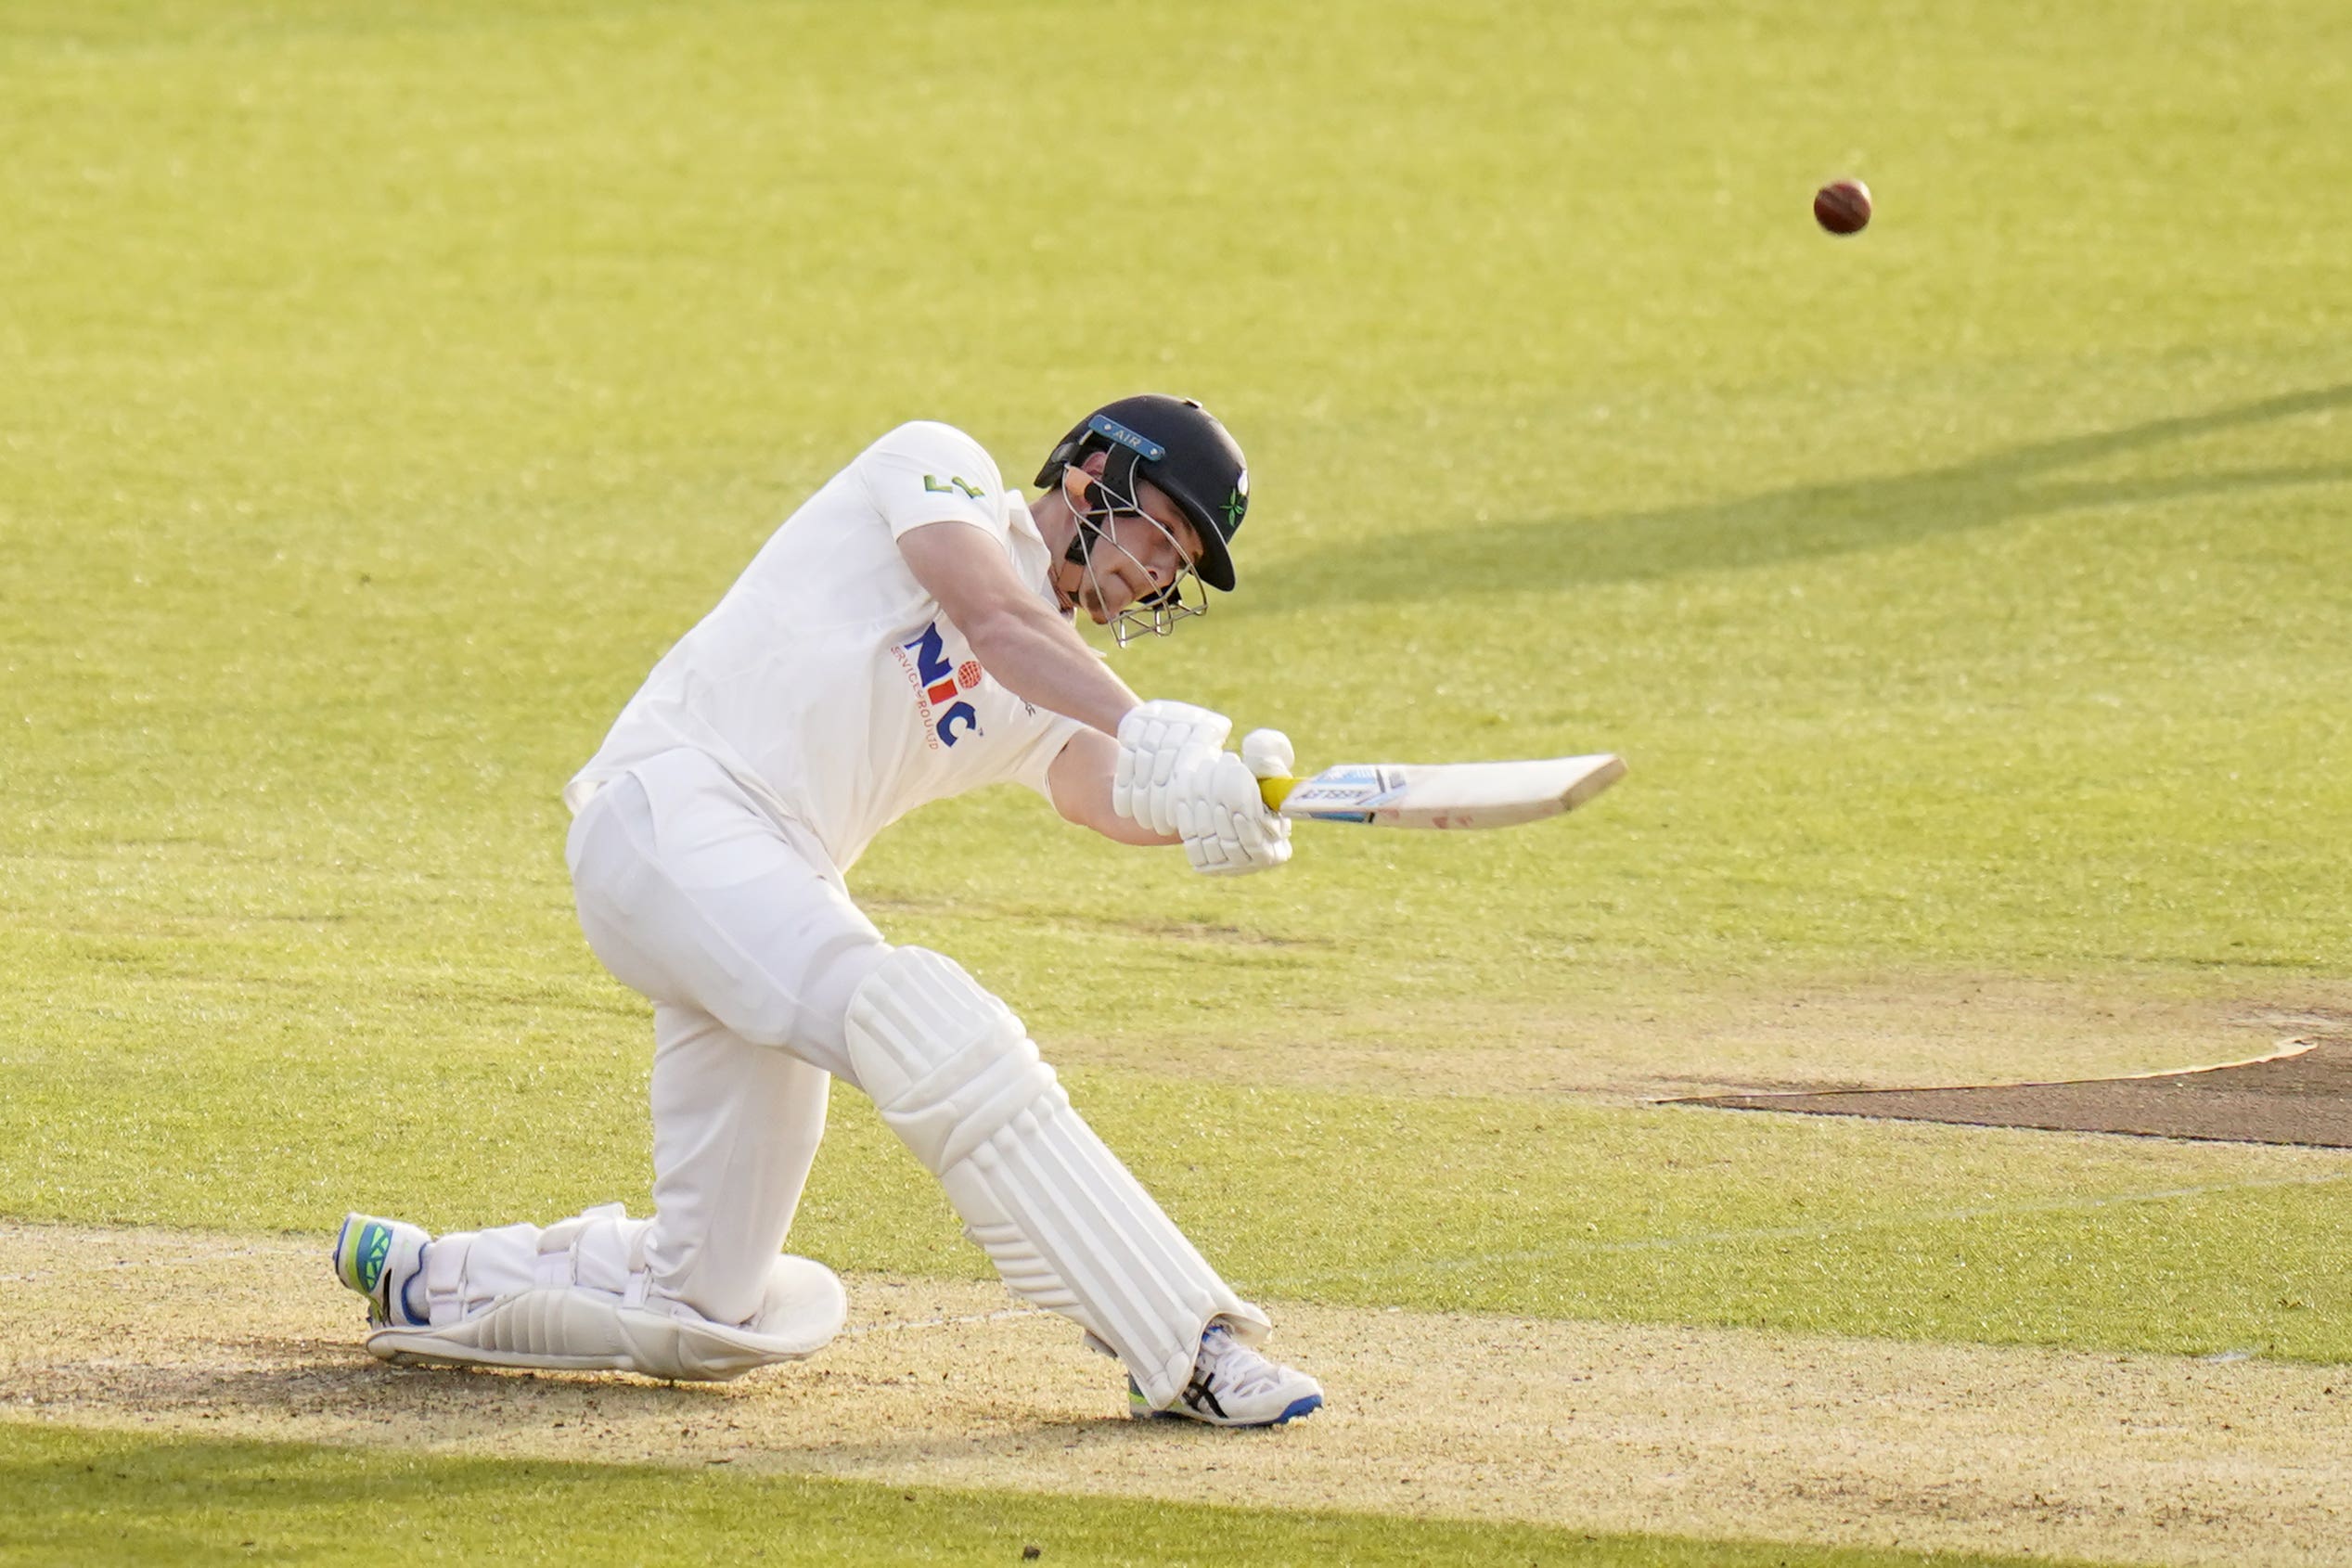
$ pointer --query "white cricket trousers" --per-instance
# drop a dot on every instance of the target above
(750, 949)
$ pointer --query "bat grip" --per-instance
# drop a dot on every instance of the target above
(1275, 791)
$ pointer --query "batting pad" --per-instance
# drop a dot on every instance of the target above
(573, 1298)
(956, 1075)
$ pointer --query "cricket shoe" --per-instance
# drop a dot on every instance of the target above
(382, 1259)
(1233, 1385)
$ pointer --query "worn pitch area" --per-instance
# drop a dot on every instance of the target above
(2301, 1095)
(1709, 1433)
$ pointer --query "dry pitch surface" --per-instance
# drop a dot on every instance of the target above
(1706, 1432)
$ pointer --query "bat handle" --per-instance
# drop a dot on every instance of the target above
(1270, 759)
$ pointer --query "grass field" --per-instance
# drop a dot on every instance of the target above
(86, 1497)
(386, 389)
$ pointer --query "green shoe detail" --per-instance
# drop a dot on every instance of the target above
(375, 1251)
(360, 1259)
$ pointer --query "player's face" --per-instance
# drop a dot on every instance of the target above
(1138, 556)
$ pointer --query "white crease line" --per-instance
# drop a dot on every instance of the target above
(996, 1317)
(1532, 1254)
(124, 1264)
(1778, 1232)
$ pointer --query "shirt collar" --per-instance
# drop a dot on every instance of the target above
(1017, 516)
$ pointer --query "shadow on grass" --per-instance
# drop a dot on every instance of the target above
(1796, 523)
(78, 1496)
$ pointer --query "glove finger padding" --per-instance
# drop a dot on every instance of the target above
(1157, 740)
(1226, 827)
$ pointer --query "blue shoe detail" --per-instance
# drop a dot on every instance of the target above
(375, 1251)
(1298, 1408)
(1305, 1404)
(408, 1308)
(366, 1250)
(362, 1248)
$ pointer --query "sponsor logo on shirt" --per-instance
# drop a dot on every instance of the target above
(939, 686)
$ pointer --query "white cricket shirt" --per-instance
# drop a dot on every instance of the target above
(827, 681)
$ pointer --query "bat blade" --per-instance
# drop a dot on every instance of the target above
(1443, 794)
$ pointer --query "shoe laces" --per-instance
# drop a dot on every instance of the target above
(1234, 1366)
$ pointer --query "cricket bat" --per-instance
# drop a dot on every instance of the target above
(1442, 794)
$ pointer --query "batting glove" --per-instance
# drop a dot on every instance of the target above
(1156, 742)
(1269, 753)
(1226, 827)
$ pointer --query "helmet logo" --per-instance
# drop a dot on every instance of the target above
(1143, 446)
(1239, 502)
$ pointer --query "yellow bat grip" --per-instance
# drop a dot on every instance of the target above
(1273, 792)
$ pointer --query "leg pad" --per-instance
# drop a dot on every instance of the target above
(955, 1074)
(572, 1298)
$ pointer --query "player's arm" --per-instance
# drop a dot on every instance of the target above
(1031, 651)
(1166, 780)
(1081, 778)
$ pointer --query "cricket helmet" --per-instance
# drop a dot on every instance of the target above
(1179, 446)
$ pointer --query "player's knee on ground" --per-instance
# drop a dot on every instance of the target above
(576, 1296)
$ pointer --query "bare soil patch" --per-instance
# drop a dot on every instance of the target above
(1599, 1426)
(2302, 1095)
(1637, 1045)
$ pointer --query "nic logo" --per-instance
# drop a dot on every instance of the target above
(939, 686)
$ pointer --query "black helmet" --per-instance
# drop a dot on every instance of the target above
(1179, 446)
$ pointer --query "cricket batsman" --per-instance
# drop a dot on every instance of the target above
(906, 636)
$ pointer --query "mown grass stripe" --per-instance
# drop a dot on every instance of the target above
(70, 1496)
(1309, 1284)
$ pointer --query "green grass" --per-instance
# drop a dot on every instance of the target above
(386, 389)
(105, 1497)
(390, 391)
(1521, 1205)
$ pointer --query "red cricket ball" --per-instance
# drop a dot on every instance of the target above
(1843, 206)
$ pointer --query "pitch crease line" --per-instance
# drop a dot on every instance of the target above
(1000, 1316)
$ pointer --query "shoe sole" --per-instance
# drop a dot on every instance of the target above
(1305, 1404)
(346, 1252)
(363, 1231)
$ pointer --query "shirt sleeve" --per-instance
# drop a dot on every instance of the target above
(1035, 762)
(929, 472)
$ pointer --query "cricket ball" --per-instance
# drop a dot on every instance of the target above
(1843, 206)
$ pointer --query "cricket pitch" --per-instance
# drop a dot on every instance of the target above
(1708, 1433)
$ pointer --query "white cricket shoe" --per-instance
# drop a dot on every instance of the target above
(1233, 1385)
(382, 1259)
